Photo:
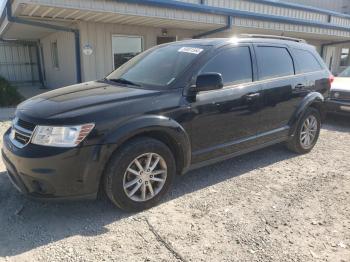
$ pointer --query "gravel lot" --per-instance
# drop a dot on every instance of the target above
(270, 205)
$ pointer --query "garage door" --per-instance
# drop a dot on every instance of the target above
(18, 62)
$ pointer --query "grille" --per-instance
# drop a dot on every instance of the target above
(25, 124)
(21, 132)
(23, 139)
(342, 95)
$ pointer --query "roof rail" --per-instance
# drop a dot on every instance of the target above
(273, 37)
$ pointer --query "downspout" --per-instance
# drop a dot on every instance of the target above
(38, 58)
(76, 33)
(226, 27)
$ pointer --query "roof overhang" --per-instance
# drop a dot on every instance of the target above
(128, 15)
(16, 31)
(54, 13)
(155, 13)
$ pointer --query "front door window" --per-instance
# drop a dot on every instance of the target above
(124, 48)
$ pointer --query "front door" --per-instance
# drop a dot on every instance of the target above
(225, 120)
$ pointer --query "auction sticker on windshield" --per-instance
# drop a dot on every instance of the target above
(191, 50)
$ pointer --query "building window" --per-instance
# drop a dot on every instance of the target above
(124, 48)
(165, 39)
(344, 58)
(54, 53)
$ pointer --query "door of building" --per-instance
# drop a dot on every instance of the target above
(19, 62)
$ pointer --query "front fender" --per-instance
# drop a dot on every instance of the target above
(150, 123)
(312, 99)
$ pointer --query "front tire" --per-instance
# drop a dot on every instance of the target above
(139, 174)
(308, 131)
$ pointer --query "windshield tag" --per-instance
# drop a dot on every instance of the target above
(191, 50)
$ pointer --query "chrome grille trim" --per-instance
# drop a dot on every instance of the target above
(22, 130)
(16, 130)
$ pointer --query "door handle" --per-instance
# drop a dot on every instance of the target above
(300, 86)
(252, 96)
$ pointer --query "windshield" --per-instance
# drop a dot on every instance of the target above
(345, 73)
(158, 67)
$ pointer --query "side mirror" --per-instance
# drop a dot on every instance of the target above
(209, 81)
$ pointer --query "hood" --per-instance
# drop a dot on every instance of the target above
(79, 98)
(341, 84)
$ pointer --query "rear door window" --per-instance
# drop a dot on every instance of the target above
(234, 64)
(306, 61)
(274, 62)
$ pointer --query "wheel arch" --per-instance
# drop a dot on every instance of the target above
(161, 128)
(314, 100)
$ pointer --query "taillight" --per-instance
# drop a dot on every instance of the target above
(331, 80)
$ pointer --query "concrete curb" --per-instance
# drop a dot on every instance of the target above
(7, 113)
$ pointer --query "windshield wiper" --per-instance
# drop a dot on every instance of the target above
(123, 81)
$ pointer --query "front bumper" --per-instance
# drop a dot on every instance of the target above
(52, 173)
(338, 107)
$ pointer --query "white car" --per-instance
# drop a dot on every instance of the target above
(339, 98)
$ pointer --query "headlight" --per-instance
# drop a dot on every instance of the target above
(336, 94)
(63, 136)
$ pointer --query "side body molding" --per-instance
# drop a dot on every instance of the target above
(312, 99)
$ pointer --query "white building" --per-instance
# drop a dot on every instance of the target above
(82, 40)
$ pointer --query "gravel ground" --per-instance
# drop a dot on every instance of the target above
(270, 205)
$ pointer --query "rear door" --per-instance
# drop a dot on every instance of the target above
(282, 89)
(310, 65)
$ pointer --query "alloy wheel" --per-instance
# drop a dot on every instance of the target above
(308, 132)
(145, 177)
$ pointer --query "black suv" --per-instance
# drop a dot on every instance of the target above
(173, 108)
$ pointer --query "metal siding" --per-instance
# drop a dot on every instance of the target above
(130, 9)
(99, 35)
(268, 9)
(242, 22)
(264, 8)
(175, 17)
(335, 5)
(66, 73)
(340, 21)
(190, 1)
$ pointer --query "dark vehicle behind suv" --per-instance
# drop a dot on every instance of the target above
(172, 108)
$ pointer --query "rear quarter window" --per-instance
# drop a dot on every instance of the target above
(306, 61)
(274, 62)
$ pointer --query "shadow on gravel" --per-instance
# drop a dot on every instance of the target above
(26, 224)
(338, 123)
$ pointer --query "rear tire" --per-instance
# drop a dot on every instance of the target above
(308, 131)
(139, 174)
